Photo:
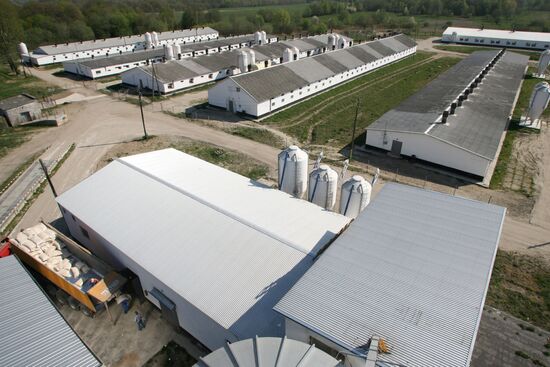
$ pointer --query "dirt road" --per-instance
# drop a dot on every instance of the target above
(98, 124)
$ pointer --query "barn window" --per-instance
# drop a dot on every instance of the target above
(238, 89)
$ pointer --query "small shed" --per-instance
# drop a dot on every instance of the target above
(20, 109)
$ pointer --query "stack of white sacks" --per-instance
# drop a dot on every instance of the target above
(40, 242)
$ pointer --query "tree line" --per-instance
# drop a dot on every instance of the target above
(58, 21)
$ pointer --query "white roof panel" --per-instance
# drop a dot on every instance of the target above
(413, 269)
(230, 246)
(501, 34)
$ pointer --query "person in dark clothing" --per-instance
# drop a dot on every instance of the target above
(140, 322)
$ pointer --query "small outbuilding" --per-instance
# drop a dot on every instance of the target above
(497, 37)
(20, 109)
(32, 331)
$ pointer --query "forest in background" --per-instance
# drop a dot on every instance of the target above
(58, 21)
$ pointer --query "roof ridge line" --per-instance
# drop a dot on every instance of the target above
(216, 208)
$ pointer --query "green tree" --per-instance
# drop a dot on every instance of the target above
(10, 34)
(187, 20)
(281, 21)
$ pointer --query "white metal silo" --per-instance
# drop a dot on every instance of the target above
(293, 163)
(264, 37)
(251, 58)
(355, 196)
(155, 38)
(258, 38)
(539, 101)
(287, 55)
(336, 40)
(177, 50)
(23, 50)
(323, 185)
(331, 42)
(243, 61)
(148, 40)
(168, 52)
(296, 53)
(342, 43)
(544, 61)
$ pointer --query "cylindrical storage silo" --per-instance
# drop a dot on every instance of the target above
(148, 40)
(539, 101)
(342, 43)
(177, 51)
(168, 53)
(23, 50)
(355, 196)
(251, 58)
(258, 38)
(264, 37)
(292, 165)
(331, 42)
(287, 55)
(296, 53)
(155, 38)
(544, 61)
(323, 185)
(336, 40)
(243, 61)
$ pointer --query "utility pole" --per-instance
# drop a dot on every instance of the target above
(47, 177)
(142, 117)
(353, 133)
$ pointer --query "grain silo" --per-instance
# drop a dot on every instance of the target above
(287, 55)
(544, 61)
(323, 185)
(148, 40)
(292, 163)
(539, 101)
(23, 50)
(243, 61)
(355, 196)
(155, 38)
(168, 52)
(177, 50)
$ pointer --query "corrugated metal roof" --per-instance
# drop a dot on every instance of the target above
(16, 101)
(499, 34)
(118, 41)
(477, 126)
(310, 69)
(413, 269)
(32, 331)
(268, 352)
(229, 245)
(268, 83)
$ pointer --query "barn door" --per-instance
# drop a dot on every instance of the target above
(230, 106)
(396, 146)
(167, 307)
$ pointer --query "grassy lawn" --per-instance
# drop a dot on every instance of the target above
(259, 135)
(11, 138)
(520, 285)
(328, 117)
(514, 129)
(11, 85)
(229, 159)
(22, 168)
(469, 49)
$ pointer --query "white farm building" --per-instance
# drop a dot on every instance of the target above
(412, 270)
(261, 92)
(458, 120)
(52, 54)
(215, 251)
(176, 75)
(498, 38)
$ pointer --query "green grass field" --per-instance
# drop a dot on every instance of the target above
(520, 285)
(469, 49)
(514, 129)
(327, 119)
(11, 85)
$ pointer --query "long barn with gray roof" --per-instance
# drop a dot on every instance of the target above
(175, 75)
(459, 119)
(262, 92)
(98, 67)
(51, 54)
